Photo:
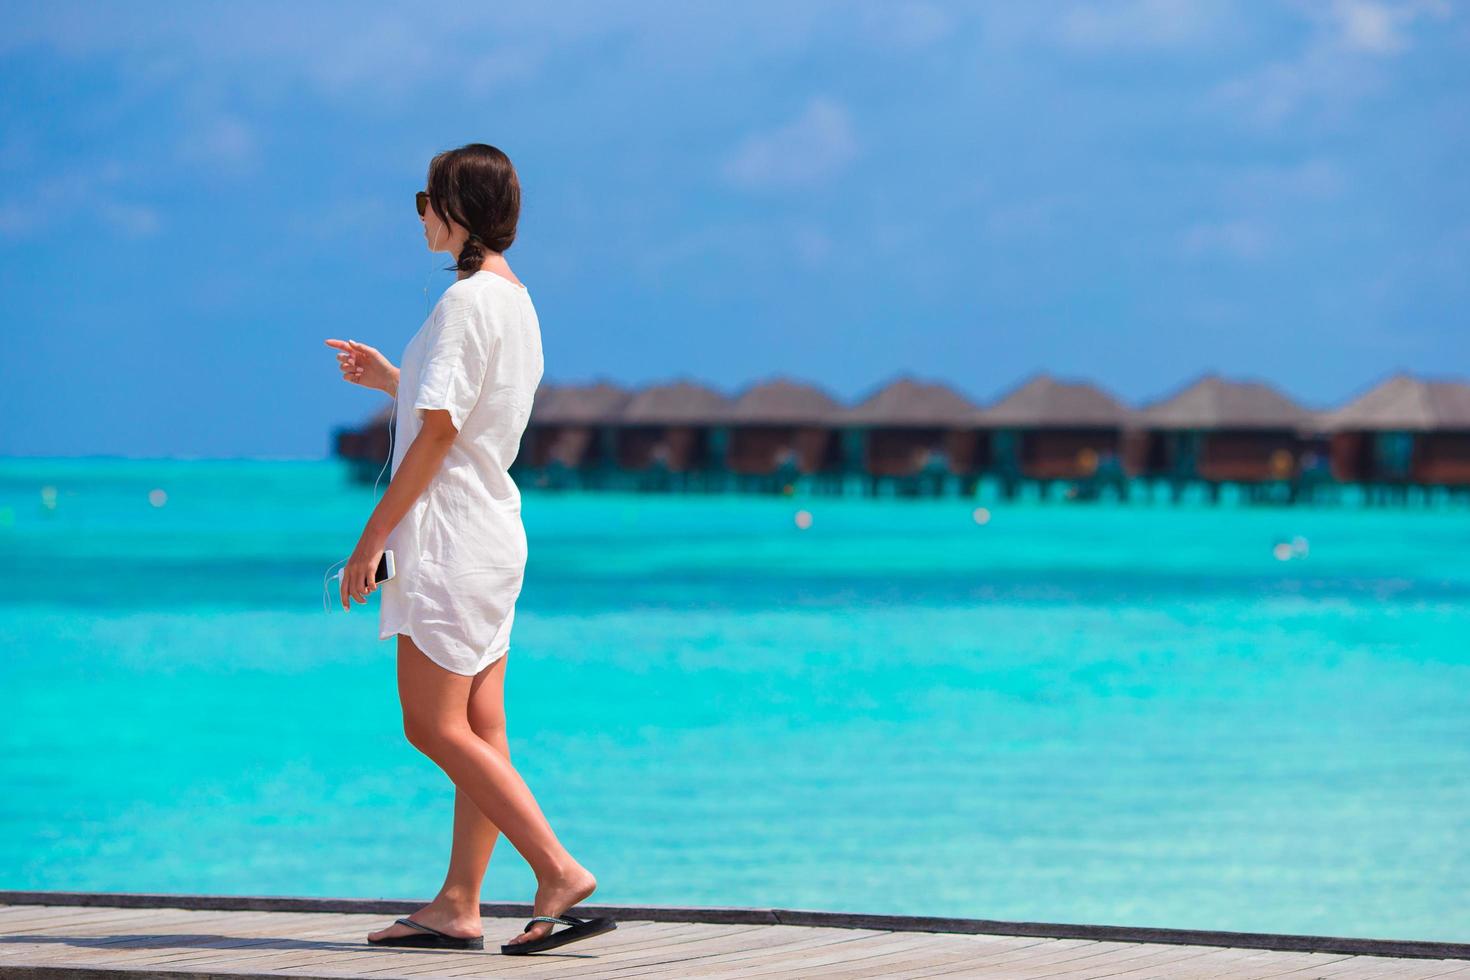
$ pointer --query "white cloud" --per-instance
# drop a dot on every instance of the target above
(1138, 23)
(1317, 178)
(224, 142)
(508, 64)
(356, 217)
(1336, 66)
(81, 193)
(1379, 26)
(387, 56)
(814, 146)
(1369, 26)
(910, 26)
(1243, 238)
(132, 220)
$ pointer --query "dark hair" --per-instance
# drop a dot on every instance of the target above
(476, 187)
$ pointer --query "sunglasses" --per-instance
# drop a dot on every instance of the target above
(421, 200)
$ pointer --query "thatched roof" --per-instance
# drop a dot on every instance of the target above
(675, 403)
(910, 402)
(782, 401)
(1046, 402)
(1212, 402)
(587, 404)
(1404, 402)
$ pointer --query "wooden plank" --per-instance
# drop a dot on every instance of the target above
(1177, 958)
(156, 931)
(916, 960)
(1380, 966)
(1365, 967)
(1315, 962)
(1063, 961)
(97, 941)
(361, 958)
(772, 945)
(158, 943)
(921, 958)
(28, 918)
(1453, 968)
(1460, 969)
(337, 939)
(168, 941)
(1134, 958)
(137, 956)
(737, 915)
(984, 953)
(953, 953)
(712, 963)
(101, 921)
(1088, 963)
(1258, 963)
(1048, 952)
(649, 960)
(811, 962)
(241, 936)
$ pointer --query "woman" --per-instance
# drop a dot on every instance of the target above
(451, 515)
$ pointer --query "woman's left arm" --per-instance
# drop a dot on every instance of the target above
(414, 474)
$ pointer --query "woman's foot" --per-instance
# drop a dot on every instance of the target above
(556, 896)
(456, 919)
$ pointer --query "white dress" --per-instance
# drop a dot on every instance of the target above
(460, 551)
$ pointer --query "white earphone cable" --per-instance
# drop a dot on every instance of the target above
(392, 431)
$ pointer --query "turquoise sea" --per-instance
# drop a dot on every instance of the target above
(1070, 713)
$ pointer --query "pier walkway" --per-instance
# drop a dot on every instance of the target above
(84, 936)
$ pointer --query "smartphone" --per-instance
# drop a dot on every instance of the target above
(385, 569)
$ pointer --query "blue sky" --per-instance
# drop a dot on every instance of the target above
(192, 196)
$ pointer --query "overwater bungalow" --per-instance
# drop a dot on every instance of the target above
(912, 433)
(1050, 430)
(1407, 439)
(570, 438)
(365, 448)
(1222, 431)
(778, 431)
(1404, 430)
(677, 429)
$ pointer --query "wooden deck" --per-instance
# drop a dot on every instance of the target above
(93, 936)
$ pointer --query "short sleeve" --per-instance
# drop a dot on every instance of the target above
(455, 360)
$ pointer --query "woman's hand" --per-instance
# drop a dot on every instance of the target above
(361, 570)
(364, 365)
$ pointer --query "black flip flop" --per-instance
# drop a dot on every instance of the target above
(580, 929)
(430, 938)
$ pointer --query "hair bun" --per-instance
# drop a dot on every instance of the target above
(475, 186)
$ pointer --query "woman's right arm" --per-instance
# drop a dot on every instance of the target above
(415, 472)
(365, 366)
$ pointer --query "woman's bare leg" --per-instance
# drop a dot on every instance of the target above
(456, 909)
(435, 705)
